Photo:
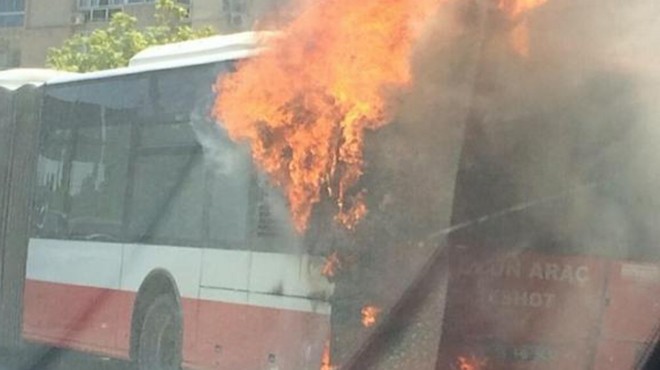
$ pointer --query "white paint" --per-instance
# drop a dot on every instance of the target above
(205, 47)
(229, 269)
(183, 263)
(179, 55)
(289, 275)
(640, 272)
(275, 273)
(92, 264)
(266, 300)
(223, 295)
(280, 281)
(289, 303)
(13, 79)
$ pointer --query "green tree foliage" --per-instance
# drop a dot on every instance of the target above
(112, 46)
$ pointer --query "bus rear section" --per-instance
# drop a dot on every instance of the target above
(155, 240)
(554, 261)
(548, 256)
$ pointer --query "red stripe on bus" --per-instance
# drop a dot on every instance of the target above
(216, 334)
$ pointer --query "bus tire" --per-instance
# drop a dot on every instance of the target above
(160, 340)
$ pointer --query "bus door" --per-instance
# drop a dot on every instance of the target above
(256, 274)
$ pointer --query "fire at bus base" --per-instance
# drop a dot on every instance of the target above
(305, 103)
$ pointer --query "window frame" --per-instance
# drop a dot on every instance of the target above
(15, 11)
(251, 238)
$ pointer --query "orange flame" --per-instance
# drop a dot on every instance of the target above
(325, 359)
(332, 264)
(305, 103)
(517, 10)
(370, 315)
(471, 363)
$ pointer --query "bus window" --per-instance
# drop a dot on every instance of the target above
(160, 179)
(51, 186)
(169, 135)
(169, 181)
(84, 158)
(98, 176)
(230, 171)
(181, 223)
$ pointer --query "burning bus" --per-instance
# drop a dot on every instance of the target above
(413, 187)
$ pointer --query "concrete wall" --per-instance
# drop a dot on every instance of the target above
(143, 12)
(208, 13)
(46, 14)
(10, 53)
(36, 42)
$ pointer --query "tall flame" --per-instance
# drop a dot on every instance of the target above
(471, 363)
(304, 104)
(370, 315)
(325, 359)
(516, 8)
(331, 265)
(517, 11)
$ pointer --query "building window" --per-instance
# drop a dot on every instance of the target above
(12, 13)
(103, 10)
(95, 4)
(236, 12)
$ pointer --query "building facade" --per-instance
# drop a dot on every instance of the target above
(28, 28)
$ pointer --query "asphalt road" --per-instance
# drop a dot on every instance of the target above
(39, 358)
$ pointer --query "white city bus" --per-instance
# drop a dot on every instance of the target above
(154, 238)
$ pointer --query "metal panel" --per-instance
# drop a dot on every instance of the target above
(182, 262)
(20, 154)
(83, 263)
(6, 125)
(6, 134)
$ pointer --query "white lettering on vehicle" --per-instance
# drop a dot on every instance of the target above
(517, 298)
(502, 268)
(514, 268)
(561, 273)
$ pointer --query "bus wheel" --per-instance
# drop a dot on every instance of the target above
(160, 340)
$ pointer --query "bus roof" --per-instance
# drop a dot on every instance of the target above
(210, 46)
(182, 54)
(13, 79)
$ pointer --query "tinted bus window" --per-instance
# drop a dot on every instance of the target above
(139, 159)
(98, 176)
(166, 186)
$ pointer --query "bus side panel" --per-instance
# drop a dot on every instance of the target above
(237, 336)
(515, 356)
(616, 355)
(630, 320)
(90, 319)
(523, 310)
(77, 317)
(71, 293)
